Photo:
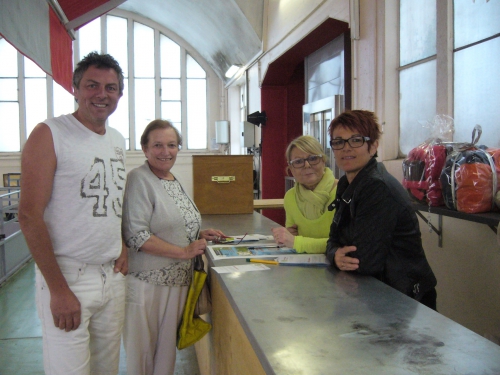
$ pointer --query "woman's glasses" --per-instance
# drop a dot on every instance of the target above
(355, 142)
(300, 163)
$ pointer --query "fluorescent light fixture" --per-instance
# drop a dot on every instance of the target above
(222, 132)
(232, 71)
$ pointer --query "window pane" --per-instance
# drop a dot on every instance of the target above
(8, 67)
(32, 70)
(64, 102)
(170, 58)
(475, 20)
(417, 103)
(36, 102)
(144, 107)
(417, 30)
(144, 62)
(171, 111)
(117, 45)
(193, 69)
(477, 89)
(326, 79)
(170, 89)
(9, 127)
(196, 114)
(89, 37)
(120, 117)
(8, 89)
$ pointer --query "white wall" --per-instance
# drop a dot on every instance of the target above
(183, 168)
(467, 265)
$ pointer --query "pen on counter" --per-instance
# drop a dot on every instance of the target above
(241, 239)
(264, 261)
(265, 247)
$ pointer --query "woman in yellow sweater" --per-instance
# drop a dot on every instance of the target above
(310, 204)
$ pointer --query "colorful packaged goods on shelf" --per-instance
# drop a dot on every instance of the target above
(462, 176)
(470, 180)
(422, 167)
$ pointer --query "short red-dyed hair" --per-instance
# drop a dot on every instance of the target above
(363, 122)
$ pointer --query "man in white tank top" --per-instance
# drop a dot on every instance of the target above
(72, 178)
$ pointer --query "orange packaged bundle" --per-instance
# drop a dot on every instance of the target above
(469, 180)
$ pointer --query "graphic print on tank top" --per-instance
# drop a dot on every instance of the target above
(105, 183)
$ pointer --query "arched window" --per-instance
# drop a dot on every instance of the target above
(163, 79)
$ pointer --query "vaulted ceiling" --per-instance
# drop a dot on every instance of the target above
(223, 32)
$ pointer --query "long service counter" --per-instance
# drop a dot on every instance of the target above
(316, 320)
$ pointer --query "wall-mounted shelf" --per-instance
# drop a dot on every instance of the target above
(489, 218)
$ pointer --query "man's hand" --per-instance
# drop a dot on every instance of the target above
(121, 263)
(66, 310)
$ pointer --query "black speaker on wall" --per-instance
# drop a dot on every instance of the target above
(257, 118)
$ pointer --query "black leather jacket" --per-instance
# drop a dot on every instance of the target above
(374, 214)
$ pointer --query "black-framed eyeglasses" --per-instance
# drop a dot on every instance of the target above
(300, 163)
(355, 142)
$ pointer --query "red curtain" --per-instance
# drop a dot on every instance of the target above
(61, 51)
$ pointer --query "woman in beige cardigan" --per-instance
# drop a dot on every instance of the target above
(161, 227)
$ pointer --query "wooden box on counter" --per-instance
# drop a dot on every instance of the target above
(223, 184)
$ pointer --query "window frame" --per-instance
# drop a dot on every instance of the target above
(445, 53)
(214, 86)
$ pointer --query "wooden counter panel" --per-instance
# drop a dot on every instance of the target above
(233, 352)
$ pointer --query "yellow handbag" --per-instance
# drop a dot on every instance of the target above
(193, 328)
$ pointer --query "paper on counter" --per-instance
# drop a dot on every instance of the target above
(245, 238)
(241, 268)
(246, 251)
(303, 259)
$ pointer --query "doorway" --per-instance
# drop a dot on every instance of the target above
(317, 117)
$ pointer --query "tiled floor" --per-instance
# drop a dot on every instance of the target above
(20, 332)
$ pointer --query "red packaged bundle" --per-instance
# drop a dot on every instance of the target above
(423, 165)
(421, 171)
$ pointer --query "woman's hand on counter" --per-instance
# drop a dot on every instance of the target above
(283, 236)
(212, 234)
(344, 262)
(294, 229)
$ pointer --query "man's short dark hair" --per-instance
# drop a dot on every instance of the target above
(103, 61)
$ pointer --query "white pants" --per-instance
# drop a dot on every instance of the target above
(152, 315)
(94, 347)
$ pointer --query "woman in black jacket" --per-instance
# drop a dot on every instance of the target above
(375, 230)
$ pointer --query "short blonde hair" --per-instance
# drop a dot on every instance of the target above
(307, 144)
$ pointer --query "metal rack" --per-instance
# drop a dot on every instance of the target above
(491, 219)
(14, 252)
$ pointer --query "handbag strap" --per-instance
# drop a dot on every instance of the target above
(198, 263)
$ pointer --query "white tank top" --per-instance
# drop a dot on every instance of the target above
(84, 212)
